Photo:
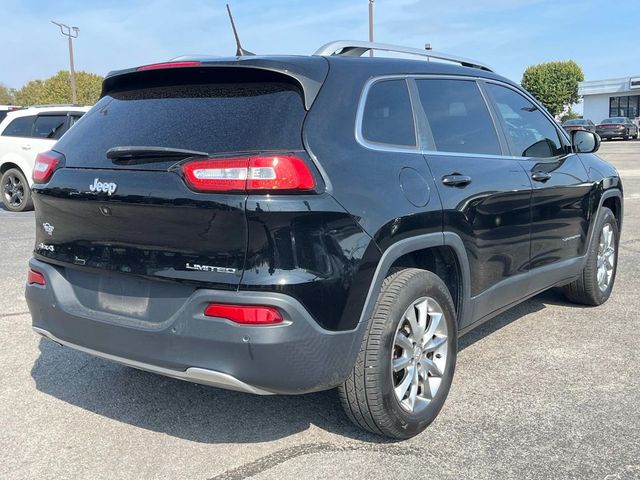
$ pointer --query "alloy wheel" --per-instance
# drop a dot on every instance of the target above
(606, 257)
(13, 191)
(419, 355)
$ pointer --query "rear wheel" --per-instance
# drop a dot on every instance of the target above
(594, 285)
(16, 195)
(407, 359)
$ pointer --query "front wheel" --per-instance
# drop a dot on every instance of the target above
(595, 283)
(407, 358)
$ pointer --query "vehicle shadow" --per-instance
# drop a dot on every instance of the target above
(203, 414)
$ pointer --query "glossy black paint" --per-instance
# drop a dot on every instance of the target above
(311, 249)
(491, 215)
(153, 225)
(559, 209)
(324, 248)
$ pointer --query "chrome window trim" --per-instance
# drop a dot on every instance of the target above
(380, 147)
(384, 147)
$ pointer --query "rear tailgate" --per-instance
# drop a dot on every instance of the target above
(141, 217)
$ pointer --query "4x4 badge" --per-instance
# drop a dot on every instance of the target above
(48, 228)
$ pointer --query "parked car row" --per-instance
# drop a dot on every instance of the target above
(23, 134)
(609, 128)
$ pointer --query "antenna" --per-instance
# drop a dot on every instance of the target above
(239, 50)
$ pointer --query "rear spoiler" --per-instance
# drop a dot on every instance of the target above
(308, 73)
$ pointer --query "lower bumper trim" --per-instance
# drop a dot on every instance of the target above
(193, 374)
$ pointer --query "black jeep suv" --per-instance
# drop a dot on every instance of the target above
(283, 225)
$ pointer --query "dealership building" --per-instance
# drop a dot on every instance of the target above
(619, 97)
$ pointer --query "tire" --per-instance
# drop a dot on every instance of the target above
(15, 191)
(587, 289)
(369, 393)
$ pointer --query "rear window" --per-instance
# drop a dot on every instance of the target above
(614, 120)
(213, 118)
(49, 126)
(20, 127)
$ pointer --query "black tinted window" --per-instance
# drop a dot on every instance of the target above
(388, 117)
(458, 117)
(529, 132)
(49, 126)
(73, 118)
(213, 118)
(20, 127)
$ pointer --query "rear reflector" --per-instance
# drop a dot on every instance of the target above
(157, 66)
(35, 278)
(45, 165)
(245, 314)
(249, 174)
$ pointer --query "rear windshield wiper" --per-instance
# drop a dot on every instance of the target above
(137, 154)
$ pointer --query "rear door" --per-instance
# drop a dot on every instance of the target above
(147, 220)
(560, 202)
(16, 141)
(485, 194)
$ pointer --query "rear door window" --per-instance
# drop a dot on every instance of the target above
(20, 127)
(49, 126)
(529, 132)
(458, 117)
(388, 117)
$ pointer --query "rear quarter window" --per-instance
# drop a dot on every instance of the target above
(388, 117)
(19, 127)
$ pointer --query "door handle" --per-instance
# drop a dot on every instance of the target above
(540, 176)
(26, 147)
(456, 180)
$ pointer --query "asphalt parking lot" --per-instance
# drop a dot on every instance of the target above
(545, 390)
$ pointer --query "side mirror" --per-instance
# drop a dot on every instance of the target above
(584, 141)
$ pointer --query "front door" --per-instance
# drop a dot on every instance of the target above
(486, 195)
(561, 184)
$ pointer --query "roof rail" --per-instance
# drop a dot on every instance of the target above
(48, 105)
(355, 48)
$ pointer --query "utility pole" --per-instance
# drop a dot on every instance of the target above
(371, 25)
(70, 33)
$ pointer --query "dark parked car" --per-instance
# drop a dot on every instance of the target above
(298, 223)
(617, 127)
(579, 124)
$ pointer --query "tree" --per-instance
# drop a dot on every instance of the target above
(6, 95)
(554, 84)
(569, 115)
(57, 89)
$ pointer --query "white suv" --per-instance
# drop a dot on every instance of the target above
(24, 134)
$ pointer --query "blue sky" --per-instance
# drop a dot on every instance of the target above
(508, 35)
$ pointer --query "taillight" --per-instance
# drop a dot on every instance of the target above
(245, 314)
(249, 174)
(46, 164)
(156, 66)
(35, 278)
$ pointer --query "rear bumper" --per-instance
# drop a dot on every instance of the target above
(295, 357)
(612, 134)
